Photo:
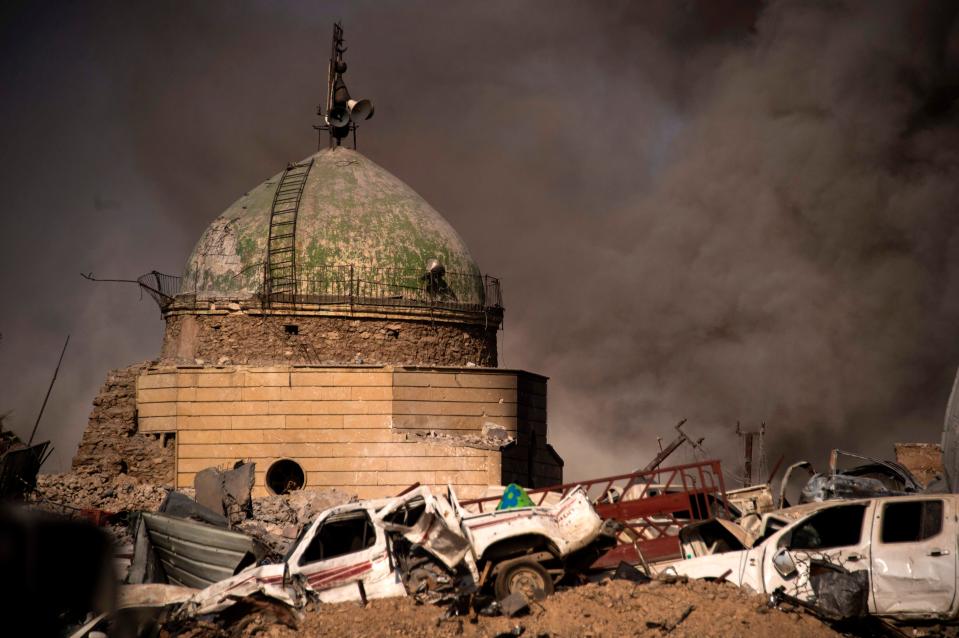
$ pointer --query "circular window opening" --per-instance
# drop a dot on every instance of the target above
(285, 476)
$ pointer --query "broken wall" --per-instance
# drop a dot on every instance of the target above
(113, 444)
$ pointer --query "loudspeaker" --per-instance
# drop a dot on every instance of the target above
(338, 116)
(360, 109)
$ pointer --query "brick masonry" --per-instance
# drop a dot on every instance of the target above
(238, 338)
(924, 460)
(348, 427)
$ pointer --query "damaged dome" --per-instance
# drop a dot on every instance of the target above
(351, 213)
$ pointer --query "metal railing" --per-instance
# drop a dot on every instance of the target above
(163, 288)
(351, 285)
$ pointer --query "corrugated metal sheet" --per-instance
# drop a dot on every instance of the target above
(195, 554)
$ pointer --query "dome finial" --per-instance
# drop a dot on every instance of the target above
(342, 113)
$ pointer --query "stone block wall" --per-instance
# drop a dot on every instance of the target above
(237, 338)
(348, 427)
(458, 403)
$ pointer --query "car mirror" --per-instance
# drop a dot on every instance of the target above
(784, 564)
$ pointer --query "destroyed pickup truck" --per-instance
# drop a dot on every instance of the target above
(901, 550)
(417, 544)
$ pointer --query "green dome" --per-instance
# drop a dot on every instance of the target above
(352, 213)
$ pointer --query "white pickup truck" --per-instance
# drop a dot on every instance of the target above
(908, 545)
(416, 544)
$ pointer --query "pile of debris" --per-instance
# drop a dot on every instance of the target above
(112, 500)
(608, 608)
(95, 490)
(278, 519)
(281, 512)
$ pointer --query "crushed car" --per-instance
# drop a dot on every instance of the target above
(906, 545)
(870, 478)
(417, 544)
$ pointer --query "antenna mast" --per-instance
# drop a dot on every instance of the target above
(341, 113)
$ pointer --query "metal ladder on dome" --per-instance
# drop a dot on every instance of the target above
(280, 271)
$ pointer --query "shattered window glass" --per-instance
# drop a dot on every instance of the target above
(833, 527)
(340, 535)
(407, 514)
(773, 525)
(911, 521)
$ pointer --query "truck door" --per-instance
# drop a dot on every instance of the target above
(836, 535)
(345, 549)
(914, 557)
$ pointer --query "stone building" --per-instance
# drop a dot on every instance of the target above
(331, 326)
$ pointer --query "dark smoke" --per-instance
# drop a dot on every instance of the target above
(794, 262)
(720, 211)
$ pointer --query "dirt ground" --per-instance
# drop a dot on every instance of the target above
(614, 608)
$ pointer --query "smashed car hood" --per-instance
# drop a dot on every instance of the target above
(437, 530)
(714, 536)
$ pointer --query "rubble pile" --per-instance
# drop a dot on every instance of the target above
(298, 507)
(278, 519)
(94, 490)
(611, 608)
(70, 493)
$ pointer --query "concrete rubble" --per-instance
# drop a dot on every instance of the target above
(275, 520)
(120, 493)
(278, 519)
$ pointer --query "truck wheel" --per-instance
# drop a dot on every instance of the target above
(524, 576)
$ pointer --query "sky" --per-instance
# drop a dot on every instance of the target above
(719, 211)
